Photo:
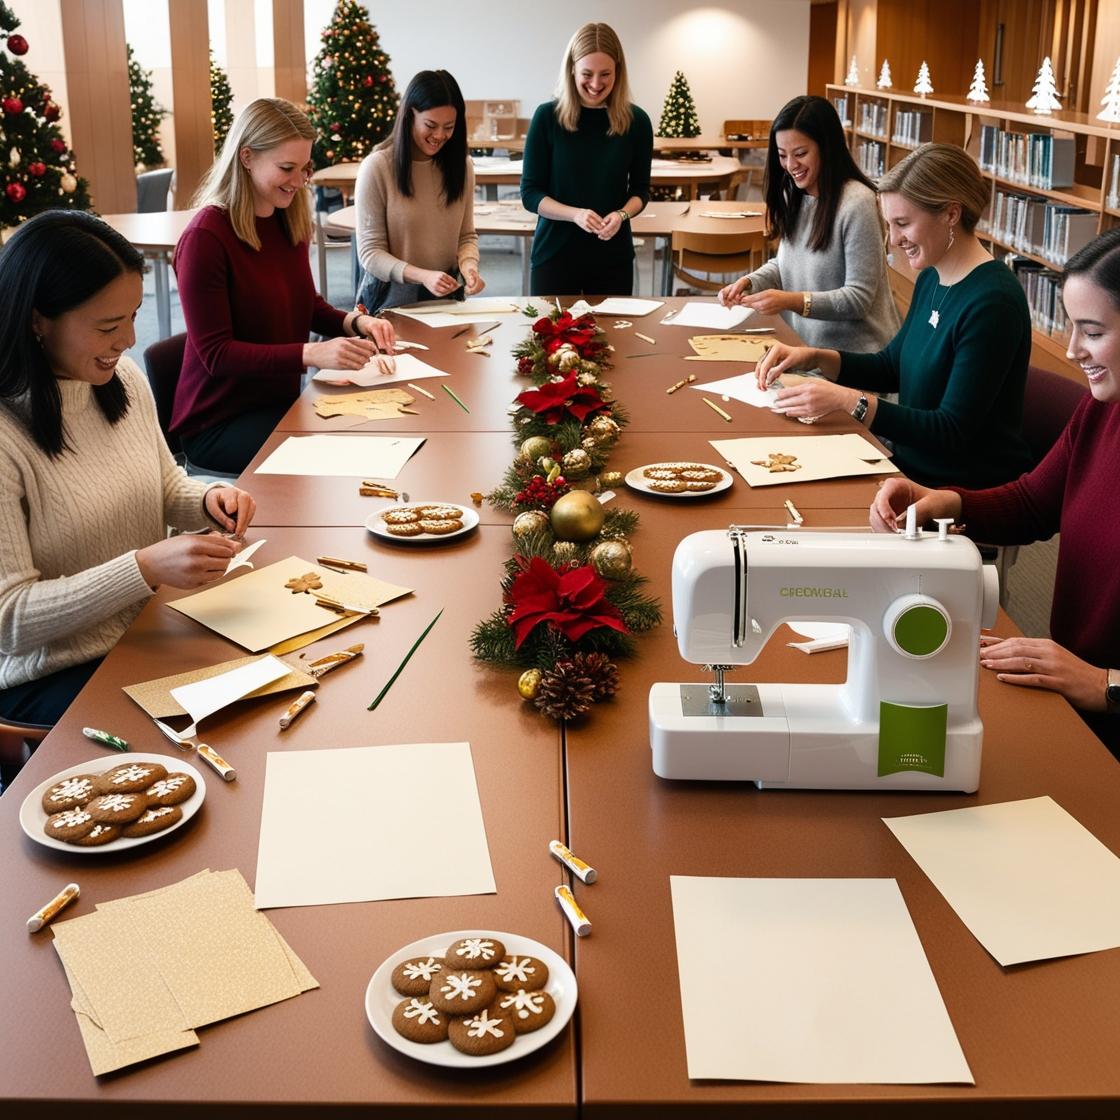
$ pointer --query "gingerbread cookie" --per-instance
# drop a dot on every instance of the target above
(414, 977)
(678, 478)
(117, 808)
(513, 973)
(486, 1032)
(70, 824)
(405, 516)
(172, 790)
(439, 513)
(528, 1011)
(130, 777)
(475, 952)
(418, 1021)
(69, 793)
(463, 992)
(98, 835)
(154, 820)
(439, 527)
(668, 485)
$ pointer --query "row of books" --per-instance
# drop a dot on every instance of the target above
(1036, 159)
(1044, 298)
(871, 158)
(873, 118)
(841, 106)
(1047, 229)
(912, 128)
(1112, 199)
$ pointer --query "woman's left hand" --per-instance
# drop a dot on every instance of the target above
(773, 300)
(1042, 663)
(612, 223)
(231, 508)
(472, 282)
(814, 397)
(379, 330)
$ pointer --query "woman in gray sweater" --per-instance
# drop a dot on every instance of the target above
(829, 278)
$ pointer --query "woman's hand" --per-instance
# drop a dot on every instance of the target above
(814, 397)
(612, 223)
(339, 353)
(588, 221)
(439, 283)
(735, 293)
(780, 358)
(472, 282)
(380, 331)
(773, 300)
(186, 561)
(895, 495)
(231, 508)
(1042, 663)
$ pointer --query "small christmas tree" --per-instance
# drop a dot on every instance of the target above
(884, 81)
(221, 98)
(978, 91)
(923, 85)
(1045, 89)
(353, 100)
(678, 116)
(37, 169)
(853, 73)
(1111, 99)
(146, 115)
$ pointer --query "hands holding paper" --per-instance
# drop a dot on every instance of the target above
(187, 561)
(440, 284)
(768, 302)
(231, 508)
(472, 282)
(781, 358)
(378, 331)
(342, 352)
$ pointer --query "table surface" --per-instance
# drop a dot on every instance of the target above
(1038, 1036)
(158, 231)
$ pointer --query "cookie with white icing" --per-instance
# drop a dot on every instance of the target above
(528, 1011)
(117, 808)
(439, 513)
(70, 824)
(667, 485)
(172, 790)
(419, 1021)
(404, 528)
(69, 793)
(513, 972)
(475, 952)
(130, 777)
(463, 991)
(488, 1031)
(440, 526)
(98, 835)
(155, 819)
(414, 977)
(405, 516)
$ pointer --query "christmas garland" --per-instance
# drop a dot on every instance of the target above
(571, 601)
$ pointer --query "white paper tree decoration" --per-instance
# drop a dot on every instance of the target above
(978, 91)
(853, 73)
(1111, 99)
(923, 85)
(884, 81)
(1045, 99)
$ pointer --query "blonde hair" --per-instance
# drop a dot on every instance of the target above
(261, 126)
(935, 175)
(594, 38)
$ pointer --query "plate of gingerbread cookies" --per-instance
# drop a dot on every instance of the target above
(470, 998)
(106, 805)
(678, 480)
(422, 522)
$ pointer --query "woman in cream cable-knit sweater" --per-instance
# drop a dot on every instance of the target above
(87, 484)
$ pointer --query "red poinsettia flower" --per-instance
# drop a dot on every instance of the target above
(556, 399)
(580, 333)
(573, 602)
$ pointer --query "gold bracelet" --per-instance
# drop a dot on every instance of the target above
(806, 304)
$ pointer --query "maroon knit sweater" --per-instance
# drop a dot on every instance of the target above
(249, 313)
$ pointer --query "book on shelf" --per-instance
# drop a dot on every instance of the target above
(912, 128)
(1044, 160)
(873, 118)
(1031, 224)
(1042, 287)
(841, 106)
(1112, 200)
(871, 158)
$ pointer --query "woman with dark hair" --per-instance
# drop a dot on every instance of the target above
(586, 172)
(829, 278)
(87, 484)
(1071, 492)
(415, 200)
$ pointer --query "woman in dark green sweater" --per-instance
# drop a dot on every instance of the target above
(586, 172)
(959, 362)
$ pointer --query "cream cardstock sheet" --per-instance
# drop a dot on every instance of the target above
(356, 456)
(408, 368)
(815, 457)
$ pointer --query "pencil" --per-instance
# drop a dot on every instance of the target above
(451, 393)
(646, 338)
(794, 512)
(682, 383)
(336, 562)
(493, 326)
(716, 408)
(419, 390)
(461, 330)
(407, 658)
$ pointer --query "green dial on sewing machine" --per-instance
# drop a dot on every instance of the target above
(921, 631)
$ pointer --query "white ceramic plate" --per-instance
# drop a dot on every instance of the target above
(382, 998)
(637, 481)
(32, 816)
(377, 527)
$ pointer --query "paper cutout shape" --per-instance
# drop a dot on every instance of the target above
(728, 348)
(243, 558)
(819, 457)
(203, 698)
(776, 463)
(305, 583)
(380, 404)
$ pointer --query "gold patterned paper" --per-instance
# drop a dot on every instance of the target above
(728, 348)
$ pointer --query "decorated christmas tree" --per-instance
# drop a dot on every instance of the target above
(853, 73)
(884, 81)
(1111, 99)
(37, 167)
(1045, 99)
(678, 116)
(978, 91)
(923, 85)
(146, 115)
(353, 100)
(221, 97)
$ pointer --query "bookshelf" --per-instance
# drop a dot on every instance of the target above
(1055, 184)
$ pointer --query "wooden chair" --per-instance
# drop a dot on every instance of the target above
(754, 160)
(17, 741)
(715, 254)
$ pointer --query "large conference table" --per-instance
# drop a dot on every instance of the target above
(1039, 1038)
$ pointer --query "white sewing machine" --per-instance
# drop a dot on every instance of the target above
(906, 716)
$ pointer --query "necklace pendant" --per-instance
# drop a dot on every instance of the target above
(934, 317)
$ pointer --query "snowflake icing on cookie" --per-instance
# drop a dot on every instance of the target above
(70, 818)
(474, 947)
(154, 814)
(524, 1003)
(130, 774)
(166, 785)
(482, 1025)
(516, 969)
(72, 787)
(422, 1011)
(461, 986)
(422, 970)
(117, 802)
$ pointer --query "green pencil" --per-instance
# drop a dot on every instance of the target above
(407, 657)
(451, 393)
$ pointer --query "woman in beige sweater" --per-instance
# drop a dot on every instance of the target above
(415, 200)
(87, 484)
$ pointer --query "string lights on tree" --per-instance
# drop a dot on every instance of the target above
(146, 115)
(678, 116)
(221, 103)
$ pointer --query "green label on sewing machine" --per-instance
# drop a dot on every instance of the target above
(912, 738)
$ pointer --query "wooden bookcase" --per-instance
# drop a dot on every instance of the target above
(883, 127)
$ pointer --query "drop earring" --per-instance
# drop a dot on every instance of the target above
(952, 238)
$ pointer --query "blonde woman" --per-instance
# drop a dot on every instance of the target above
(586, 172)
(247, 294)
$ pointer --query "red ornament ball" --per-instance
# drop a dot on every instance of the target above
(58, 146)
(38, 170)
(16, 192)
(367, 81)
(17, 44)
(12, 106)
(50, 111)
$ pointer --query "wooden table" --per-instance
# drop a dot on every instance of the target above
(707, 143)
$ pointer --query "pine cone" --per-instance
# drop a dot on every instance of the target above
(600, 670)
(565, 691)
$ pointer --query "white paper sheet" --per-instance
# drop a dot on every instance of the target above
(817, 457)
(243, 559)
(380, 457)
(455, 313)
(204, 698)
(822, 635)
(710, 316)
(808, 980)
(634, 308)
(730, 214)
(381, 842)
(409, 368)
(1029, 881)
(742, 387)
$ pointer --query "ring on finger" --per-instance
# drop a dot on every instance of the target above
(1029, 665)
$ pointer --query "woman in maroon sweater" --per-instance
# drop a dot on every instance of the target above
(1070, 491)
(247, 294)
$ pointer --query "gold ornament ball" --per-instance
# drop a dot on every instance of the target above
(604, 429)
(576, 463)
(534, 447)
(563, 552)
(68, 183)
(528, 684)
(611, 559)
(531, 521)
(590, 445)
(577, 516)
(611, 478)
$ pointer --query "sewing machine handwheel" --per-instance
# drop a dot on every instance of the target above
(917, 626)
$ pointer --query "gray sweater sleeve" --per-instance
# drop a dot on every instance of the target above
(767, 277)
(858, 241)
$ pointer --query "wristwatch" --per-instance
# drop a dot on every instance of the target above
(623, 215)
(859, 411)
(1112, 690)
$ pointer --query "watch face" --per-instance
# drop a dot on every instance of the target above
(1112, 694)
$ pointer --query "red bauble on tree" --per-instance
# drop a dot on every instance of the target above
(17, 44)
(58, 146)
(367, 81)
(51, 111)
(16, 192)
(12, 106)
(37, 170)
